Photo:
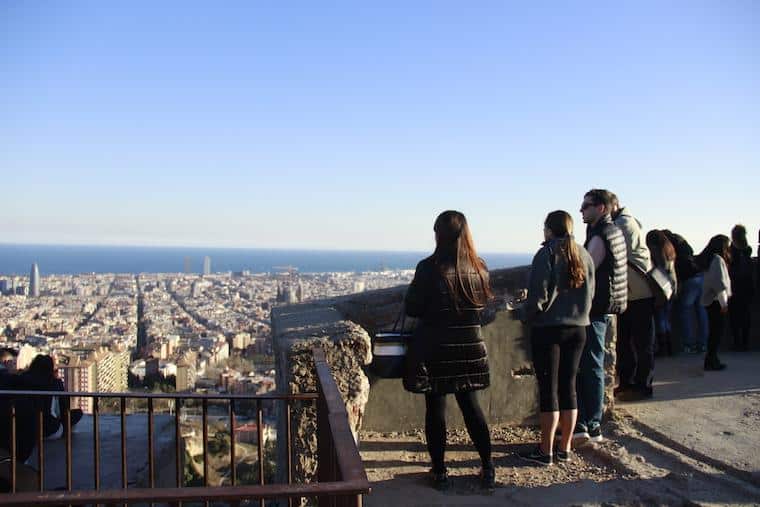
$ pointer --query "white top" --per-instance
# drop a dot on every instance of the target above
(717, 284)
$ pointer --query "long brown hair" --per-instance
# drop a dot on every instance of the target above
(718, 245)
(454, 247)
(660, 247)
(560, 223)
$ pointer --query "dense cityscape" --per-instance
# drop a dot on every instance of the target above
(187, 332)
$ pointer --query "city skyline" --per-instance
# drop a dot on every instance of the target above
(348, 127)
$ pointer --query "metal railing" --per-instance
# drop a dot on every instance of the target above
(341, 478)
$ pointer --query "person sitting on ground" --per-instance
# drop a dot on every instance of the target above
(40, 376)
(449, 291)
(716, 291)
(560, 293)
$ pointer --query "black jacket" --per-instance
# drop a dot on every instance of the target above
(611, 294)
(455, 354)
(740, 270)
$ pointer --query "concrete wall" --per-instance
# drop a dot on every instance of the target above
(511, 398)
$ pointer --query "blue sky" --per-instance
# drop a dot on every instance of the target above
(351, 125)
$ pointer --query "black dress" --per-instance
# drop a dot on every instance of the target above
(455, 354)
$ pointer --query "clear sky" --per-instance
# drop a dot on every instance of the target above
(351, 125)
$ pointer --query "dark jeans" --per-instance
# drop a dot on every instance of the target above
(556, 356)
(739, 319)
(716, 322)
(690, 312)
(435, 427)
(635, 345)
(590, 381)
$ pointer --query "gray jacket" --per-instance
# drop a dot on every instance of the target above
(550, 302)
(639, 259)
(638, 253)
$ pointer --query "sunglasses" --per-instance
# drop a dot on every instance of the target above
(587, 205)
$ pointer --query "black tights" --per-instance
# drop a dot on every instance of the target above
(435, 427)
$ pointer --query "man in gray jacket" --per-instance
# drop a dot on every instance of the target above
(636, 337)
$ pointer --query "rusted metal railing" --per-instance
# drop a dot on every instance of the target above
(341, 477)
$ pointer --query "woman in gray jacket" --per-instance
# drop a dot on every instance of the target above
(560, 293)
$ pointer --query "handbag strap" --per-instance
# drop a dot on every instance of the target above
(401, 317)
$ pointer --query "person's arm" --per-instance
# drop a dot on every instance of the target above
(417, 294)
(596, 250)
(725, 284)
(538, 286)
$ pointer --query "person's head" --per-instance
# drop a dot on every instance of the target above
(454, 247)
(614, 205)
(739, 237)
(660, 246)
(558, 224)
(558, 227)
(8, 359)
(718, 245)
(596, 204)
(42, 367)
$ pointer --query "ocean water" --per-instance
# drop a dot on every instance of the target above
(64, 259)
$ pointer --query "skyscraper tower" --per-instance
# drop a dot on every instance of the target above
(34, 281)
(187, 266)
(207, 265)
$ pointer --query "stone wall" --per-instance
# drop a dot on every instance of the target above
(344, 326)
(296, 330)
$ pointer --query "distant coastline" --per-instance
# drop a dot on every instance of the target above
(16, 259)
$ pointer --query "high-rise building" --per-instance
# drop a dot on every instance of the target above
(112, 366)
(207, 265)
(187, 266)
(34, 281)
(300, 292)
(79, 376)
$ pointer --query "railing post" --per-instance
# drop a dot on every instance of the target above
(13, 446)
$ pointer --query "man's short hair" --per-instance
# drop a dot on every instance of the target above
(600, 196)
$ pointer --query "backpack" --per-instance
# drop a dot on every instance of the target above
(686, 265)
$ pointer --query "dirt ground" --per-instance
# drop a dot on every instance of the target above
(628, 468)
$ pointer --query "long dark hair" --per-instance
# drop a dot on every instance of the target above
(42, 368)
(661, 248)
(718, 245)
(560, 223)
(454, 248)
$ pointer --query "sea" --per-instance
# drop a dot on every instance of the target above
(17, 259)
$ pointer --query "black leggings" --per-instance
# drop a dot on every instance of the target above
(716, 321)
(556, 355)
(435, 427)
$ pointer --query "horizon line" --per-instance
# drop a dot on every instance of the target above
(196, 247)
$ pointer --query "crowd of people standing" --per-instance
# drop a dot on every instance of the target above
(650, 281)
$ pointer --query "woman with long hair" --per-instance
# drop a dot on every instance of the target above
(715, 260)
(558, 305)
(663, 258)
(449, 291)
(742, 287)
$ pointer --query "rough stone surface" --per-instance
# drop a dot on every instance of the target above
(297, 330)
